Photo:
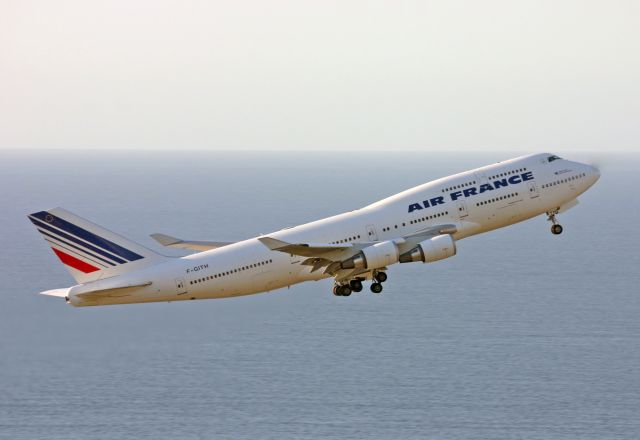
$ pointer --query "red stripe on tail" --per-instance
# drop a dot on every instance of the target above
(74, 262)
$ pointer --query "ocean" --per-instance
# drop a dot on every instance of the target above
(522, 335)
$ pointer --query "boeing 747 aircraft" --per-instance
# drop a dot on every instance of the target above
(421, 224)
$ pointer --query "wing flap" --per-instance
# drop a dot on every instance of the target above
(304, 249)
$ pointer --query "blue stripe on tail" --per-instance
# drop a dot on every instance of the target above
(43, 225)
(87, 236)
(84, 251)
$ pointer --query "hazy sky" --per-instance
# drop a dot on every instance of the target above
(522, 76)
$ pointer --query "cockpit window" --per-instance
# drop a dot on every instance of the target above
(552, 158)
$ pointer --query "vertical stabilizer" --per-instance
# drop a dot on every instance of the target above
(89, 251)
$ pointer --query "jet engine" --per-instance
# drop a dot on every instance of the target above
(434, 249)
(373, 257)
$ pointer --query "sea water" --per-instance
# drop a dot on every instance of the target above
(522, 335)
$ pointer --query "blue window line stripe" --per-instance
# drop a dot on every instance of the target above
(74, 246)
(75, 240)
(87, 236)
(74, 252)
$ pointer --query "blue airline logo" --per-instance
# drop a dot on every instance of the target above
(473, 191)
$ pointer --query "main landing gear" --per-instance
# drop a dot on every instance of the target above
(380, 277)
(341, 290)
(556, 228)
(356, 285)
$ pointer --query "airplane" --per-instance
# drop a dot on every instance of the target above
(421, 224)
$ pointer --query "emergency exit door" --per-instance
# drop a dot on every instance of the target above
(181, 286)
(371, 233)
(462, 209)
(533, 190)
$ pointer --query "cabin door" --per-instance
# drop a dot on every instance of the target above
(533, 190)
(371, 233)
(181, 286)
(462, 209)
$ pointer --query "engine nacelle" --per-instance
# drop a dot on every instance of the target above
(434, 249)
(373, 257)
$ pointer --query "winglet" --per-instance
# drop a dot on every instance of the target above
(169, 241)
(272, 243)
(165, 240)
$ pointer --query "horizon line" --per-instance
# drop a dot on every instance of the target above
(519, 151)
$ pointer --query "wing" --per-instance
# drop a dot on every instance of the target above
(169, 241)
(305, 249)
(431, 231)
(318, 255)
(329, 256)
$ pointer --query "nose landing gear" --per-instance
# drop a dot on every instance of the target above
(556, 228)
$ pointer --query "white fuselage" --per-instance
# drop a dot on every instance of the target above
(472, 201)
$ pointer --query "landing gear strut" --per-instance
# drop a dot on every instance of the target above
(556, 228)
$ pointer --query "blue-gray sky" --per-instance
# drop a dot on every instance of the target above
(521, 76)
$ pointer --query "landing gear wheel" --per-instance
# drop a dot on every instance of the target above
(344, 290)
(356, 285)
(336, 291)
(381, 277)
(376, 287)
(556, 228)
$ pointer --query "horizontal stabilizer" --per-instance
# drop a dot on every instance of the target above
(62, 293)
(169, 241)
(111, 291)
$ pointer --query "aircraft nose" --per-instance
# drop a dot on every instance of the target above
(595, 172)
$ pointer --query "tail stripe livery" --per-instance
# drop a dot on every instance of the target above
(87, 236)
(89, 251)
(68, 250)
(72, 261)
(75, 247)
(57, 233)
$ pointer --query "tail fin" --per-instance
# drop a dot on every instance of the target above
(89, 251)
